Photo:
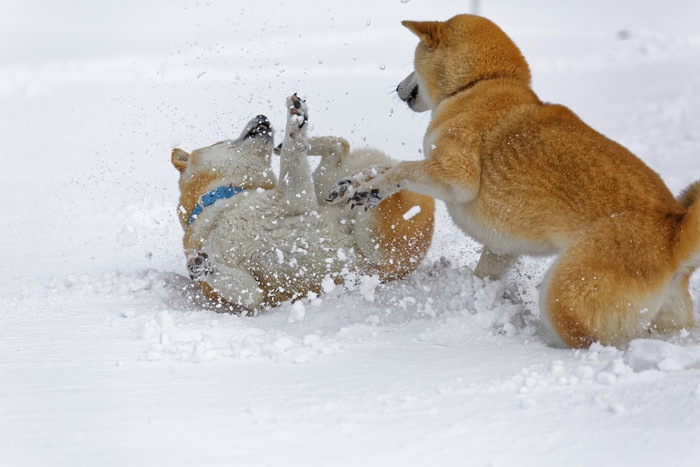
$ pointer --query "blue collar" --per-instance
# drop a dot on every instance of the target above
(223, 192)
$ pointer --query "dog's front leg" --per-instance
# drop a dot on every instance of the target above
(295, 187)
(493, 266)
(451, 172)
(428, 177)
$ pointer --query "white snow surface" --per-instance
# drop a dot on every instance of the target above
(106, 360)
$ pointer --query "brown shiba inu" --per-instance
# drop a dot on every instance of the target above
(253, 242)
(526, 177)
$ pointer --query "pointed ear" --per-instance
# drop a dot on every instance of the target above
(429, 32)
(180, 159)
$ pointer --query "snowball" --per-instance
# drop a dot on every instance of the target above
(650, 354)
(368, 285)
(328, 284)
(411, 212)
(297, 312)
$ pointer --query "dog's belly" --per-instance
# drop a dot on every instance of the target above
(496, 234)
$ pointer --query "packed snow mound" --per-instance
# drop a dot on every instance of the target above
(651, 354)
(445, 304)
(440, 304)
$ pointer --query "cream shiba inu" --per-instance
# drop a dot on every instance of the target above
(253, 242)
(527, 177)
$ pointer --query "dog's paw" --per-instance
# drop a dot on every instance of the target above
(338, 192)
(369, 198)
(297, 115)
(356, 194)
(199, 265)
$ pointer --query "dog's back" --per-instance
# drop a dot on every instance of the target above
(523, 176)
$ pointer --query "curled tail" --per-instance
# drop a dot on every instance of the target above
(689, 234)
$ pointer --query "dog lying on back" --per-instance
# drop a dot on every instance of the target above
(526, 177)
(253, 242)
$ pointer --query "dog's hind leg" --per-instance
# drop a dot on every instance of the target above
(296, 187)
(597, 291)
(333, 152)
(329, 146)
(676, 313)
(324, 146)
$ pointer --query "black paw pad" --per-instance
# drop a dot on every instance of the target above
(199, 266)
(368, 199)
(340, 189)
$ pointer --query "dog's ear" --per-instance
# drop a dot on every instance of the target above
(180, 159)
(429, 32)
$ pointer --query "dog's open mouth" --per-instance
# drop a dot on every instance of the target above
(412, 96)
(261, 128)
(408, 90)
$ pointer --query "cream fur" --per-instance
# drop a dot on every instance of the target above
(279, 240)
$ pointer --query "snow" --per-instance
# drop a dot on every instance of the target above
(411, 212)
(108, 357)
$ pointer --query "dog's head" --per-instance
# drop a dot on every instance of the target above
(256, 141)
(456, 54)
(244, 162)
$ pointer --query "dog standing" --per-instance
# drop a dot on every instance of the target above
(526, 177)
(253, 242)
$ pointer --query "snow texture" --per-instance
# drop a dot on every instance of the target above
(109, 356)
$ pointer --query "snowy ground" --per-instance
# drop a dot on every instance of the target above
(103, 359)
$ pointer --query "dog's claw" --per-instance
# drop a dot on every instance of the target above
(338, 193)
(199, 266)
(369, 199)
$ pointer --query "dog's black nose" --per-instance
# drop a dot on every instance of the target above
(262, 120)
(260, 126)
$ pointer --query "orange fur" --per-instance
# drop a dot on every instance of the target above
(527, 177)
(404, 241)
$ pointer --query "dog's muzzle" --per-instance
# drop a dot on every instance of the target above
(260, 127)
(409, 92)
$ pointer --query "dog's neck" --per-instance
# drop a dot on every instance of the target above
(208, 187)
(207, 199)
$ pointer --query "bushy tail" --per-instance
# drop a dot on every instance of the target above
(689, 236)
